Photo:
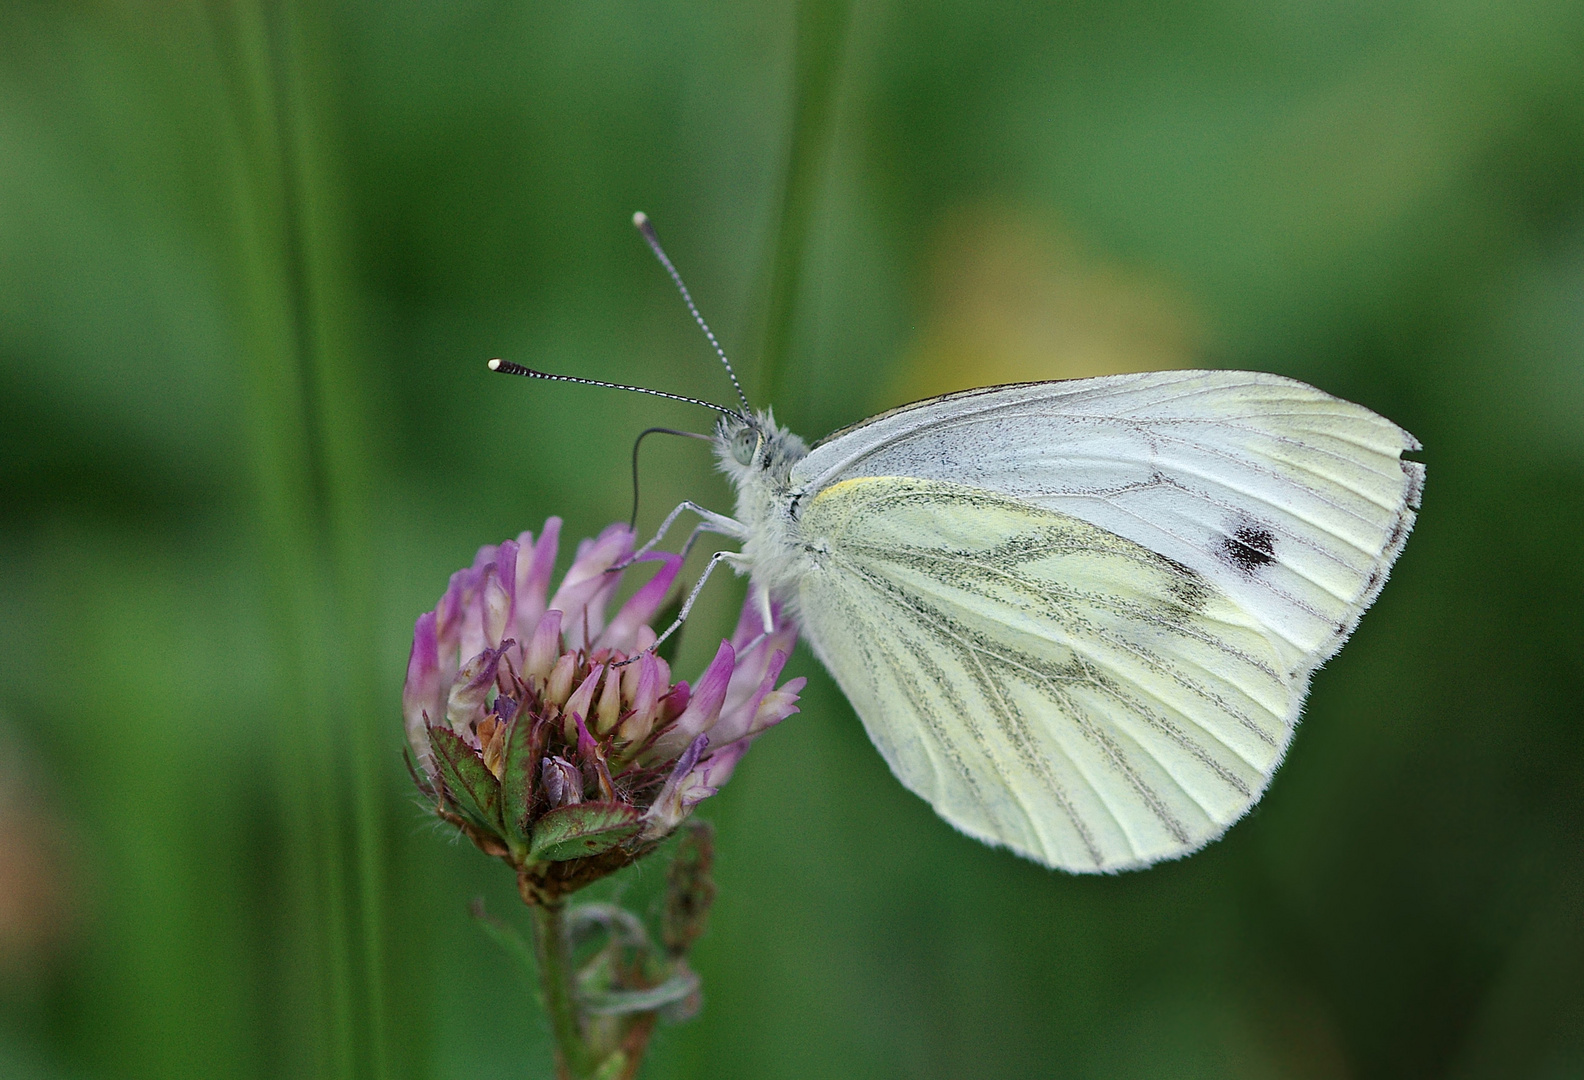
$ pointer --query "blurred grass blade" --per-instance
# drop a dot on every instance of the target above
(821, 41)
(342, 436)
(286, 270)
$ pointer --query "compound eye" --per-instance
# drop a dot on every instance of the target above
(744, 443)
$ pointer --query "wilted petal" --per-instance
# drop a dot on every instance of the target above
(468, 701)
(563, 783)
(670, 807)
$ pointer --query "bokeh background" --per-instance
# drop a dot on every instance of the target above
(253, 255)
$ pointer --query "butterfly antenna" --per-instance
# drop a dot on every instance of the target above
(641, 221)
(506, 367)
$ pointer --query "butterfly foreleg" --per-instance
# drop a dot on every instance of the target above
(711, 522)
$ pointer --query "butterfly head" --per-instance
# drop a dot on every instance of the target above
(753, 449)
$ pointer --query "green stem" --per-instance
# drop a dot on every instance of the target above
(553, 951)
(821, 40)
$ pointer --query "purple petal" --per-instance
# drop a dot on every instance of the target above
(777, 706)
(494, 607)
(484, 557)
(595, 772)
(582, 698)
(744, 697)
(703, 708)
(544, 647)
(500, 600)
(533, 577)
(471, 640)
(750, 623)
(640, 607)
(718, 767)
(421, 691)
(586, 587)
(645, 691)
(449, 616)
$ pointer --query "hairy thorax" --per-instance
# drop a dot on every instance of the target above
(757, 456)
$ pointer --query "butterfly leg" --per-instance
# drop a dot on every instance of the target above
(738, 561)
(769, 625)
(712, 522)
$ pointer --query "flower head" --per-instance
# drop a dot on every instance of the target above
(556, 739)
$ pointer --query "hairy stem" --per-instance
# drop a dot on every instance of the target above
(553, 952)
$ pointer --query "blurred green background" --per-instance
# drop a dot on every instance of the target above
(253, 257)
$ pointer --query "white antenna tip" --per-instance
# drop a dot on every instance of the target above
(640, 219)
(494, 365)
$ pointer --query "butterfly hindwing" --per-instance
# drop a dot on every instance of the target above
(1045, 684)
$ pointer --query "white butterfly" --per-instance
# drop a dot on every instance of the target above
(1078, 618)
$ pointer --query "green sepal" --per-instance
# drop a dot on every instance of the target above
(472, 787)
(573, 832)
(517, 780)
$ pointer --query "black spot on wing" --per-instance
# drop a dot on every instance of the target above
(1248, 547)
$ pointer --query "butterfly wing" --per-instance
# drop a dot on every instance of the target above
(1045, 684)
(1293, 503)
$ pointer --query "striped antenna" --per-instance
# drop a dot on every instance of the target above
(641, 221)
(506, 367)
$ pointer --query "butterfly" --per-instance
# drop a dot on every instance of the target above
(1079, 618)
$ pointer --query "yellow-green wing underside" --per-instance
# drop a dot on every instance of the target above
(1043, 683)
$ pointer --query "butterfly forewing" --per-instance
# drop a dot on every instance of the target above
(1043, 683)
(1293, 503)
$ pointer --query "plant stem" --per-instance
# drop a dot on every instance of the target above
(553, 951)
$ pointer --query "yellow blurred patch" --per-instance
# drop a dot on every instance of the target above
(1014, 298)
